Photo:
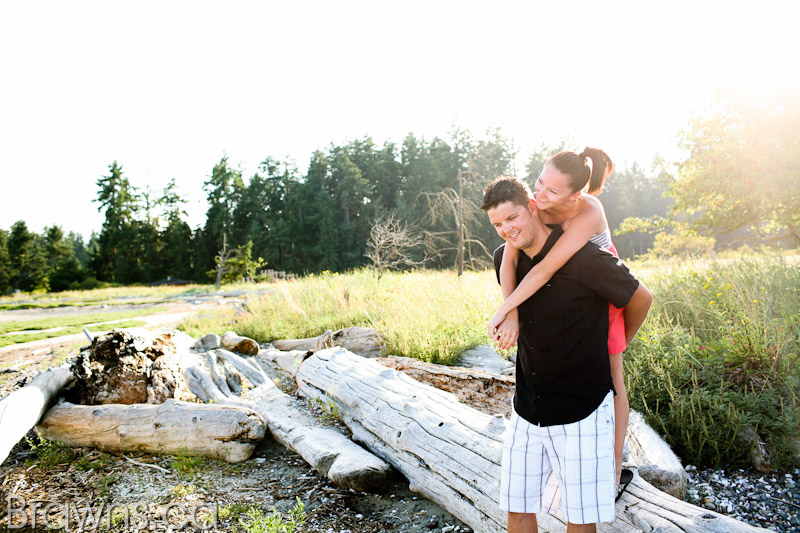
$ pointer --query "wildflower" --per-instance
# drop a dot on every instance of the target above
(755, 301)
(702, 347)
(705, 286)
(711, 302)
(728, 287)
(719, 294)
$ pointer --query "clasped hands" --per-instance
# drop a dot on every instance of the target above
(503, 329)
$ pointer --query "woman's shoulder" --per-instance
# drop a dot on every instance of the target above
(592, 209)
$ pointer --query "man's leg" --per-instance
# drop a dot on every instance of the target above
(581, 528)
(522, 523)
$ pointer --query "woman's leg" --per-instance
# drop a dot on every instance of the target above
(621, 409)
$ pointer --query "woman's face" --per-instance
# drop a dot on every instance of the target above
(552, 189)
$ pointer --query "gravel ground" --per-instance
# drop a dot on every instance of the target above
(770, 501)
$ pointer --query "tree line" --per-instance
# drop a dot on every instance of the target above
(323, 219)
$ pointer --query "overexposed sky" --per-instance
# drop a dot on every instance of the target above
(166, 88)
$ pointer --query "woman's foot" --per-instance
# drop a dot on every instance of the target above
(626, 476)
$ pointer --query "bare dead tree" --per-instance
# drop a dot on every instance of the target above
(391, 244)
(221, 259)
(454, 203)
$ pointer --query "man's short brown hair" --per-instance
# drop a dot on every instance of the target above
(506, 189)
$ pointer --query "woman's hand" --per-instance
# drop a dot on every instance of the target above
(494, 323)
(507, 332)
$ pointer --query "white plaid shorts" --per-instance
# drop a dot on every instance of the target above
(576, 460)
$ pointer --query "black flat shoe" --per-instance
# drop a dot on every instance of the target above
(625, 478)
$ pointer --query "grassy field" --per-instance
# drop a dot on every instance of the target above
(714, 369)
(431, 315)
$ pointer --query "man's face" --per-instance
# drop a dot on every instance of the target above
(514, 223)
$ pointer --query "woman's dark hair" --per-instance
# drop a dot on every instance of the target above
(591, 166)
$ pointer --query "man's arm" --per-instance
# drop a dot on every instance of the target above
(636, 311)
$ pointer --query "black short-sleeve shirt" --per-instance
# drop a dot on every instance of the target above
(563, 370)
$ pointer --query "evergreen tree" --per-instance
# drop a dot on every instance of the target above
(28, 262)
(117, 255)
(177, 249)
(221, 189)
(5, 264)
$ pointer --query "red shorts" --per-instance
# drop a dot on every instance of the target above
(616, 324)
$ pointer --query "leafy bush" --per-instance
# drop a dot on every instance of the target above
(715, 366)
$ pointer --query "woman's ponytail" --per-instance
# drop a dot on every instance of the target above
(601, 168)
(591, 166)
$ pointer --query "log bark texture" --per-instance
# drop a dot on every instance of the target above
(173, 427)
(325, 448)
(451, 452)
(21, 409)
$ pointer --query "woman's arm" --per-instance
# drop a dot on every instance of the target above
(507, 332)
(586, 223)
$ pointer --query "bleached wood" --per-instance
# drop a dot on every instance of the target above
(451, 452)
(21, 409)
(173, 427)
(489, 393)
(287, 363)
(653, 457)
(325, 448)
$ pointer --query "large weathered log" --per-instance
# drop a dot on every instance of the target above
(489, 393)
(173, 427)
(451, 452)
(326, 449)
(21, 409)
(493, 394)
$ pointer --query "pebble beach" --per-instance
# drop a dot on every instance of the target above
(771, 501)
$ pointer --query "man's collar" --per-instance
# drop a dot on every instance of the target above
(548, 244)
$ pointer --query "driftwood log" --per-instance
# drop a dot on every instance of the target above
(451, 452)
(493, 394)
(326, 449)
(366, 342)
(654, 459)
(173, 427)
(21, 409)
(489, 393)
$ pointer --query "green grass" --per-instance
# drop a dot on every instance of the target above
(132, 294)
(73, 320)
(431, 315)
(17, 338)
(716, 363)
(256, 522)
(48, 328)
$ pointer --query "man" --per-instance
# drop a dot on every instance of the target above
(561, 443)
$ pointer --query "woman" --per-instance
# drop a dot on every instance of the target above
(560, 200)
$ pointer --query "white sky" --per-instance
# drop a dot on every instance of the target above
(166, 88)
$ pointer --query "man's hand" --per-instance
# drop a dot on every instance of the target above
(507, 333)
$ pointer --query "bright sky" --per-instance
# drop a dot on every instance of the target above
(166, 88)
